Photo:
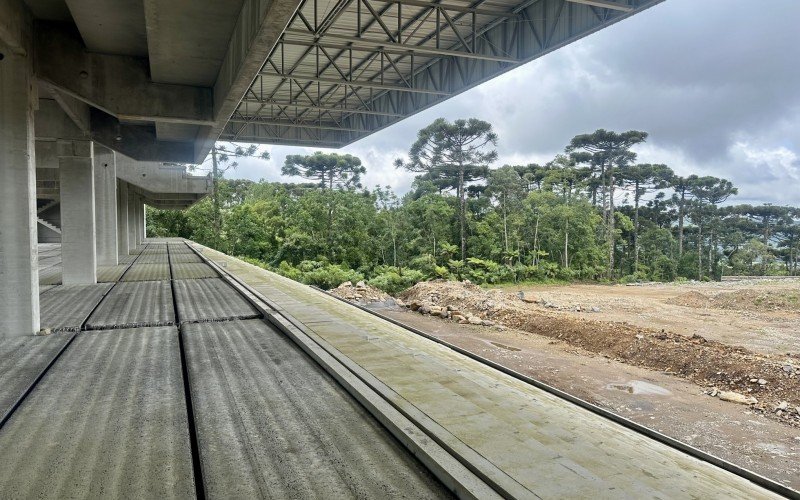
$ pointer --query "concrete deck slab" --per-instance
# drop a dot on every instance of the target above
(210, 300)
(141, 303)
(108, 420)
(192, 270)
(50, 275)
(152, 258)
(181, 248)
(553, 448)
(22, 359)
(147, 272)
(44, 288)
(154, 249)
(177, 258)
(127, 259)
(320, 443)
(66, 307)
(110, 274)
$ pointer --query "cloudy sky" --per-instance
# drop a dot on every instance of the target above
(716, 83)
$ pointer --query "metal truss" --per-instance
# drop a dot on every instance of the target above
(352, 67)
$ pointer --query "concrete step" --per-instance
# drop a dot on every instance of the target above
(48, 206)
(48, 225)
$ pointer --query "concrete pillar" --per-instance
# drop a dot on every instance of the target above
(144, 221)
(122, 217)
(131, 220)
(105, 199)
(19, 276)
(78, 235)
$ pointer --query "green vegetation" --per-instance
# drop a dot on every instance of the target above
(592, 213)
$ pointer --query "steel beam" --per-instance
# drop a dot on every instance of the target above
(334, 109)
(367, 45)
(360, 83)
(607, 4)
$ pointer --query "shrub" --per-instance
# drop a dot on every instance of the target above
(393, 281)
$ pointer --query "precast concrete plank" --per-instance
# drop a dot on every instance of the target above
(192, 270)
(153, 258)
(147, 272)
(210, 300)
(155, 249)
(179, 258)
(22, 359)
(108, 420)
(182, 248)
(135, 304)
(50, 275)
(550, 446)
(127, 259)
(66, 307)
(110, 274)
(271, 424)
(44, 288)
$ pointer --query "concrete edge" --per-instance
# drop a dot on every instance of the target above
(440, 461)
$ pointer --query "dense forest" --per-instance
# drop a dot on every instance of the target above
(592, 213)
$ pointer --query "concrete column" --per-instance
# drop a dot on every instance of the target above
(105, 198)
(144, 220)
(19, 275)
(131, 220)
(78, 235)
(122, 216)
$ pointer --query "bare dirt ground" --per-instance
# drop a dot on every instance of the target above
(664, 355)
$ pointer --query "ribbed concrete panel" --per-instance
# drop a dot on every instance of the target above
(143, 303)
(22, 359)
(107, 421)
(153, 258)
(66, 307)
(192, 270)
(110, 274)
(272, 425)
(155, 249)
(44, 288)
(147, 272)
(127, 259)
(210, 300)
(179, 248)
(183, 257)
(50, 276)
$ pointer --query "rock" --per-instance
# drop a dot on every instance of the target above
(526, 297)
(501, 328)
(595, 309)
(424, 310)
(436, 311)
(414, 305)
(714, 392)
(735, 397)
(487, 322)
(577, 308)
(474, 320)
(44, 331)
(761, 381)
(451, 308)
(640, 337)
(346, 284)
(399, 303)
(788, 368)
(360, 284)
(753, 380)
(784, 405)
(459, 318)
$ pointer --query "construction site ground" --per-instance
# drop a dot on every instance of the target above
(658, 354)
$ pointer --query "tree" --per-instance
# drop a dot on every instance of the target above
(461, 150)
(708, 192)
(329, 169)
(506, 187)
(643, 177)
(605, 150)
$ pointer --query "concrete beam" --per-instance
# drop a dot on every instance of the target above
(261, 23)
(105, 189)
(131, 215)
(158, 178)
(118, 85)
(78, 235)
(19, 278)
(139, 142)
(52, 123)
